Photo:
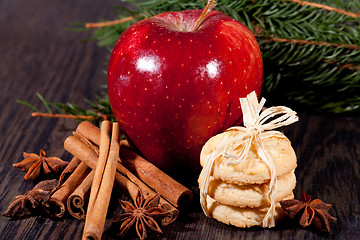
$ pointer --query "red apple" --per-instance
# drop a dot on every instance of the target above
(171, 87)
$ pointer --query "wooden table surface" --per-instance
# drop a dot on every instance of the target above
(38, 54)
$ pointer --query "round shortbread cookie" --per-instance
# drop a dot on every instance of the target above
(253, 170)
(254, 195)
(242, 217)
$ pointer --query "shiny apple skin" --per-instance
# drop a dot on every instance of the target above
(171, 90)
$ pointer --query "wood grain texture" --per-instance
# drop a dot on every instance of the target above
(39, 55)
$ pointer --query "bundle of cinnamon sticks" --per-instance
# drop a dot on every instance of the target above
(100, 160)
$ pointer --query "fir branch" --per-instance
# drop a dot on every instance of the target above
(96, 111)
(307, 42)
(350, 66)
(111, 23)
(58, 115)
(326, 7)
(310, 49)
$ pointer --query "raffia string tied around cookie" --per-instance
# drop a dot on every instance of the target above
(255, 123)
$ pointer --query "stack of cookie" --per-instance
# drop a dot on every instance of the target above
(239, 194)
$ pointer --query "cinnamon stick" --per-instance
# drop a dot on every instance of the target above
(173, 191)
(103, 182)
(130, 184)
(56, 204)
(162, 183)
(124, 179)
(82, 151)
(77, 201)
(91, 133)
(70, 168)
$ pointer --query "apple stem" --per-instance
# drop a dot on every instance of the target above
(210, 5)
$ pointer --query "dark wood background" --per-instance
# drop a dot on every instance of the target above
(37, 54)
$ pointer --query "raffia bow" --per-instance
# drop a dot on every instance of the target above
(255, 122)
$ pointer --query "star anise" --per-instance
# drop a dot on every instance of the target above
(310, 212)
(143, 214)
(32, 201)
(35, 164)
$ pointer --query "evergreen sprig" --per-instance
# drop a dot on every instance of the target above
(311, 52)
(311, 55)
(95, 111)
